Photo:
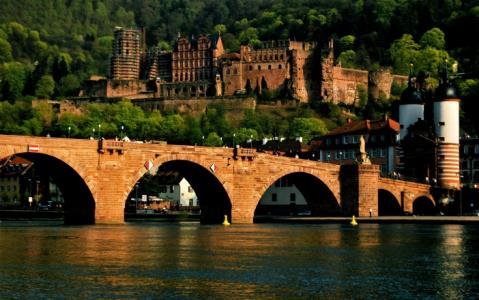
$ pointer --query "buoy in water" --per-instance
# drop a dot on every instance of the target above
(353, 221)
(225, 222)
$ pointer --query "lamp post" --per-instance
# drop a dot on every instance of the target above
(99, 131)
(69, 129)
(136, 195)
(340, 157)
(121, 133)
(202, 140)
(234, 135)
(37, 196)
(251, 142)
(93, 133)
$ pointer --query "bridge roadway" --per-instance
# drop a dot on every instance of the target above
(96, 178)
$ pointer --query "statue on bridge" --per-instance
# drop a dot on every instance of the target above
(362, 156)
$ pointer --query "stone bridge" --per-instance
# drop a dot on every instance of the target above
(96, 177)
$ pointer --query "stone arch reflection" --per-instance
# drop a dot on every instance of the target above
(298, 194)
(388, 205)
(77, 202)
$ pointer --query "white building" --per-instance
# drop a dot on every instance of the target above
(282, 198)
(180, 192)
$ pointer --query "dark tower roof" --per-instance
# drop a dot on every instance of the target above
(411, 95)
(445, 90)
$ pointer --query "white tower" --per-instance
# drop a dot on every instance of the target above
(446, 125)
(411, 108)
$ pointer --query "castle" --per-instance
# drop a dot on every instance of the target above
(200, 68)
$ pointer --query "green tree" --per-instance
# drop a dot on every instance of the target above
(5, 51)
(45, 87)
(307, 128)
(213, 140)
(433, 38)
(404, 51)
(347, 59)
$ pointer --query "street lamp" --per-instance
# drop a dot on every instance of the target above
(93, 133)
(234, 135)
(121, 134)
(203, 140)
(69, 129)
(99, 131)
(136, 195)
(251, 142)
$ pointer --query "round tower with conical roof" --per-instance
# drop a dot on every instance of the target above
(446, 127)
(411, 107)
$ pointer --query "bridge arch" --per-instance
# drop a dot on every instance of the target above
(208, 183)
(79, 203)
(321, 200)
(424, 206)
(388, 204)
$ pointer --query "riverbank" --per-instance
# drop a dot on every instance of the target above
(374, 220)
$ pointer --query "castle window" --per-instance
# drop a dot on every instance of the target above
(250, 68)
(281, 56)
(269, 67)
(276, 57)
(235, 71)
(259, 67)
(280, 66)
(228, 71)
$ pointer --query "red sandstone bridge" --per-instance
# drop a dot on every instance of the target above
(96, 177)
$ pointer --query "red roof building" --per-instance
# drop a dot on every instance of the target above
(340, 145)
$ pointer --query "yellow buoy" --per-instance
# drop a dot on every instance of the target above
(225, 222)
(353, 221)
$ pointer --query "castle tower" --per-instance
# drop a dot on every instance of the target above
(446, 125)
(411, 108)
(126, 56)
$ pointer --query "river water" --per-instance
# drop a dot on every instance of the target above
(261, 261)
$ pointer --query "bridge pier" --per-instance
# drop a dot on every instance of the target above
(359, 189)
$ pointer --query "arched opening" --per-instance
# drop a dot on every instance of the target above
(423, 206)
(46, 183)
(298, 194)
(184, 188)
(388, 205)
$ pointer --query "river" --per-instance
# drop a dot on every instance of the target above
(155, 260)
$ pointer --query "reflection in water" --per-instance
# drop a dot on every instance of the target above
(186, 260)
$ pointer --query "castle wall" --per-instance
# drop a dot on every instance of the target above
(346, 83)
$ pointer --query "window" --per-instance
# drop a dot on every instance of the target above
(292, 198)
(382, 152)
(466, 149)
(382, 137)
(442, 123)
(250, 68)
(328, 141)
(441, 138)
(269, 67)
(373, 138)
(172, 188)
(280, 66)
(355, 139)
(259, 67)
(190, 189)
(274, 197)
(476, 149)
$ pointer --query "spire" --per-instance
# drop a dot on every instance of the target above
(445, 89)
(411, 95)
